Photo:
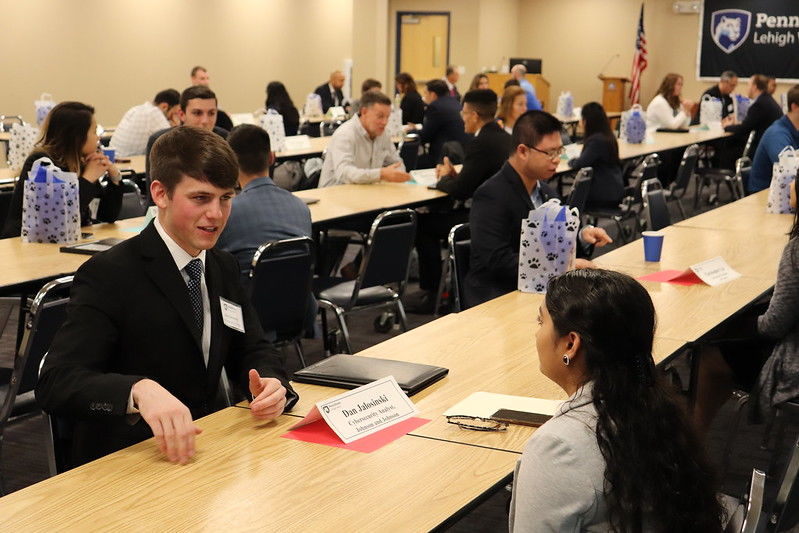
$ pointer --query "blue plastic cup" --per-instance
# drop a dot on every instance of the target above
(653, 245)
(110, 153)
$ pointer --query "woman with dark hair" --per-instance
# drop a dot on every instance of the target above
(667, 109)
(480, 81)
(411, 104)
(619, 454)
(601, 153)
(512, 105)
(69, 139)
(277, 98)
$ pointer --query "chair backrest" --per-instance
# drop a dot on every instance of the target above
(578, 197)
(7, 120)
(743, 166)
(784, 515)
(409, 151)
(750, 141)
(42, 321)
(459, 243)
(754, 502)
(59, 438)
(388, 250)
(133, 205)
(690, 158)
(657, 210)
(280, 289)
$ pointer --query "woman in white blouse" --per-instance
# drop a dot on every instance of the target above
(667, 109)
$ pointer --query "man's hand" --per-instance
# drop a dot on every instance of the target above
(393, 173)
(596, 236)
(727, 121)
(445, 168)
(169, 419)
(269, 397)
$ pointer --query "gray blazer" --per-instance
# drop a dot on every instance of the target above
(779, 379)
(559, 480)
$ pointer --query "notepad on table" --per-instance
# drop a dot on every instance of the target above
(522, 410)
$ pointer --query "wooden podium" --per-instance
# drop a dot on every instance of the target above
(613, 93)
(496, 83)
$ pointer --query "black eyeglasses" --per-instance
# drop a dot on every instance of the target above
(476, 423)
(551, 154)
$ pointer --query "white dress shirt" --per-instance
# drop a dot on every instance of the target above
(139, 122)
(659, 114)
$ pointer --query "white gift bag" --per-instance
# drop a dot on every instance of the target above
(20, 144)
(43, 106)
(313, 106)
(547, 246)
(710, 110)
(783, 173)
(633, 125)
(742, 104)
(50, 204)
(565, 104)
(272, 122)
(394, 127)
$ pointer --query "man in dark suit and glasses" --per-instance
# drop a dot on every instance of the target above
(152, 323)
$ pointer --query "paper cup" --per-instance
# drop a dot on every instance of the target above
(110, 153)
(653, 245)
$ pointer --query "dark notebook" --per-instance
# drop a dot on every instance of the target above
(673, 130)
(91, 248)
(350, 371)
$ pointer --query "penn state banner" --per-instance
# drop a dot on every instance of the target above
(749, 37)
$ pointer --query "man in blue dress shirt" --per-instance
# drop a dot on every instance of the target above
(783, 132)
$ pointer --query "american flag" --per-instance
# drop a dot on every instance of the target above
(639, 60)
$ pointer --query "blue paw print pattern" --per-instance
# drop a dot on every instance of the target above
(50, 212)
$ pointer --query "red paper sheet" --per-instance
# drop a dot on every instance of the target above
(677, 277)
(320, 433)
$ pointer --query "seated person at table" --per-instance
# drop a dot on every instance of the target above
(330, 92)
(200, 76)
(484, 155)
(518, 72)
(722, 91)
(601, 153)
(480, 81)
(145, 339)
(442, 123)
(501, 203)
(668, 110)
(606, 462)
(198, 109)
(369, 84)
(512, 105)
(451, 77)
(277, 98)
(139, 122)
(783, 132)
(411, 104)
(762, 113)
(69, 139)
(360, 151)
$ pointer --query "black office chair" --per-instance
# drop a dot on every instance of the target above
(784, 513)
(7, 120)
(459, 243)
(743, 167)
(709, 176)
(581, 187)
(280, 289)
(409, 151)
(133, 204)
(685, 172)
(42, 321)
(655, 205)
(745, 514)
(385, 261)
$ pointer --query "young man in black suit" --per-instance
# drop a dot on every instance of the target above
(484, 155)
(501, 203)
(442, 123)
(152, 322)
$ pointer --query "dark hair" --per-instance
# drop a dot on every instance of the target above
(476, 81)
(195, 91)
(170, 97)
(506, 103)
(793, 96)
(374, 97)
(532, 126)
(196, 69)
(451, 69)
(511, 82)
(760, 81)
(193, 152)
(277, 97)
(655, 473)
(369, 84)
(728, 75)
(666, 89)
(439, 87)
(64, 133)
(483, 101)
(597, 123)
(252, 147)
(407, 82)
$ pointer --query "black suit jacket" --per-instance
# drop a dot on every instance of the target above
(761, 114)
(498, 208)
(327, 99)
(442, 123)
(484, 156)
(129, 318)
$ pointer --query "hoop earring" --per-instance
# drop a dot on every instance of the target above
(566, 360)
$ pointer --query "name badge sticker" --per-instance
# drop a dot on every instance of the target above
(231, 314)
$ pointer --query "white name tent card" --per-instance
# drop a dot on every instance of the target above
(363, 411)
(712, 272)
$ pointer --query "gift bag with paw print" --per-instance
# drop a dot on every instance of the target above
(548, 245)
(50, 204)
(272, 122)
(783, 173)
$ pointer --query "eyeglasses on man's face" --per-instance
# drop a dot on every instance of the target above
(551, 154)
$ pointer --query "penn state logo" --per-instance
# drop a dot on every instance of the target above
(730, 28)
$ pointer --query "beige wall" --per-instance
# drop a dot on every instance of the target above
(370, 44)
(115, 54)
